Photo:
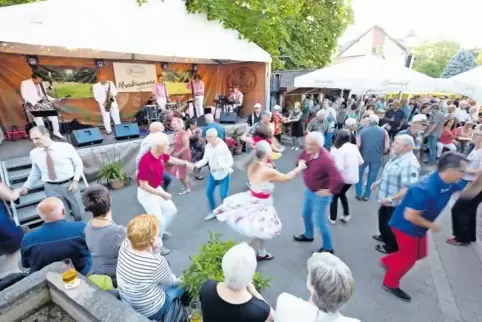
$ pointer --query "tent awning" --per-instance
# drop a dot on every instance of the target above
(120, 29)
(369, 73)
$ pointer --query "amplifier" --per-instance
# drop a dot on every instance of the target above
(85, 137)
(228, 118)
(126, 131)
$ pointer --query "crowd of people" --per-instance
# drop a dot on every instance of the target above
(343, 142)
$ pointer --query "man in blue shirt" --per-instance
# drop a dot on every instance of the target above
(56, 240)
(210, 124)
(422, 204)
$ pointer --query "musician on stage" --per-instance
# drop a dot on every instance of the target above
(33, 92)
(105, 94)
(236, 97)
(197, 87)
(159, 91)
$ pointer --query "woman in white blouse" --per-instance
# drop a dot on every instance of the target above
(348, 160)
(331, 286)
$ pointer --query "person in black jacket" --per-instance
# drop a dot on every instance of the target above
(254, 117)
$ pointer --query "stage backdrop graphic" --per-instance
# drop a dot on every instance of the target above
(132, 77)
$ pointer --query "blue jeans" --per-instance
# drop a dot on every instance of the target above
(172, 293)
(223, 189)
(432, 149)
(166, 180)
(373, 168)
(316, 206)
(328, 140)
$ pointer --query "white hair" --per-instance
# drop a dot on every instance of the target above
(212, 132)
(209, 118)
(56, 212)
(239, 265)
(159, 139)
(277, 108)
(373, 119)
(331, 281)
(406, 139)
(350, 122)
(320, 113)
(318, 137)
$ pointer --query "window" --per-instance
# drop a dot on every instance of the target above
(377, 50)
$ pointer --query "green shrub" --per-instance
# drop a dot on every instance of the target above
(206, 264)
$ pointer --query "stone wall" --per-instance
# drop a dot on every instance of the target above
(85, 303)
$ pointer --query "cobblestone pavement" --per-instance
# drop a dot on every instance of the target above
(446, 287)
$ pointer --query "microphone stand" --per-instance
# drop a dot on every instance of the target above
(61, 114)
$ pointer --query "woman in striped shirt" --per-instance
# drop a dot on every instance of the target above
(144, 277)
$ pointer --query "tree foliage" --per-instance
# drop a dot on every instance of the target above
(297, 33)
(460, 63)
(431, 58)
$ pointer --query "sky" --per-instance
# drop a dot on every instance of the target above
(430, 19)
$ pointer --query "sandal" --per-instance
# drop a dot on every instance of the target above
(266, 257)
(199, 177)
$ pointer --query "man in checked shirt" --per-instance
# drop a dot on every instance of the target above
(402, 170)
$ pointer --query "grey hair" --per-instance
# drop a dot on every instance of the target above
(318, 137)
(406, 139)
(212, 131)
(159, 139)
(41, 129)
(56, 212)
(262, 148)
(321, 113)
(239, 265)
(264, 113)
(373, 119)
(331, 281)
(350, 121)
(209, 118)
(277, 108)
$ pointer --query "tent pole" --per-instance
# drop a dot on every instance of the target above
(267, 87)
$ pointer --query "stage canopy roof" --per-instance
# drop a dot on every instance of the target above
(120, 29)
(368, 73)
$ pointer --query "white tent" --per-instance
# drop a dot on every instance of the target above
(368, 73)
(468, 83)
(120, 29)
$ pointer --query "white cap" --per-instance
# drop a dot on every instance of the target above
(419, 118)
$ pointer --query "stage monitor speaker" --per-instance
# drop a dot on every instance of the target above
(201, 121)
(228, 118)
(126, 131)
(85, 137)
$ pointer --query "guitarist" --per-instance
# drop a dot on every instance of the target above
(105, 93)
(197, 88)
(33, 93)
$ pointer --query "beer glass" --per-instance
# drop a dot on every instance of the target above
(69, 274)
(196, 315)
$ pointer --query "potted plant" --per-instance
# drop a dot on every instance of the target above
(238, 146)
(114, 175)
(206, 264)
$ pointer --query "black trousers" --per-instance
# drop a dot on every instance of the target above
(344, 202)
(278, 137)
(464, 219)
(384, 215)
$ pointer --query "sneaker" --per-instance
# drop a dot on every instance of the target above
(322, 250)
(184, 192)
(297, 148)
(165, 251)
(292, 148)
(266, 257)
(345, 218)
(59, 136)
(210, 216)
(166, 235)
(398, 293)
(302, 238)
(455, 242)
(333, 222)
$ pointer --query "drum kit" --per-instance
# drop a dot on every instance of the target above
(154, 113)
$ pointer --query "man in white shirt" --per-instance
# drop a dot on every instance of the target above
(60, 167)
(101, 90)
(33, 92)
(220, 161)
(461, 112)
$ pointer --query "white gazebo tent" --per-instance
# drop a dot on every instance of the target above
(468, 83)
(161, 31)
(368, 73)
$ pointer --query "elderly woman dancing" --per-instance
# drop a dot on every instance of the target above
(331, 286)
(252, 213)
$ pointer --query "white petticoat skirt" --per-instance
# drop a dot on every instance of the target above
(250, 216)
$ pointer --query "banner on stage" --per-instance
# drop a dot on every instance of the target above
(132, 77)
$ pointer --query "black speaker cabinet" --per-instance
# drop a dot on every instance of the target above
(228, 118)
(126, 131)
(86, 137)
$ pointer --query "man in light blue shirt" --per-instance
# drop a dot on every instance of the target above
(210, 124)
